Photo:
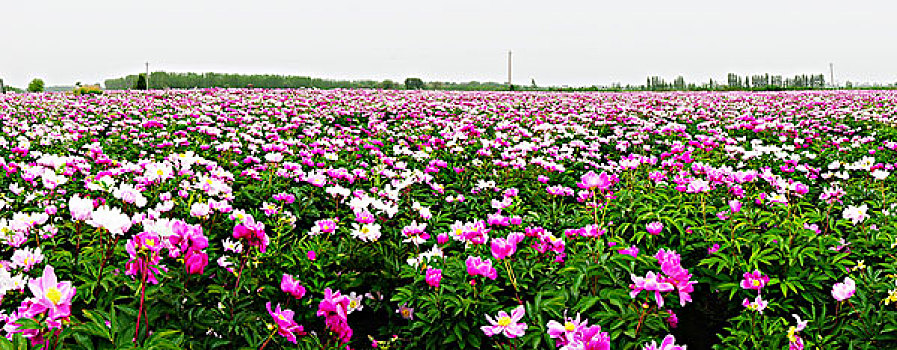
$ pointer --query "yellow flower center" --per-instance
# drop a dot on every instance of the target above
(365, 230)
(756, 283)
(54, 295)
(569, 326)
(281, 317)
(504, 321)
(406, 313)
(27, 261)
(151, 242)
(791, 332)
(160, 172)
(352, 304)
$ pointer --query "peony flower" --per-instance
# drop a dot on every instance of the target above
(757, 305)
(734, 206)
(668, 343)
(110, 219)
(196, 262)
(354, 303)
(80, 208)
(654, 228)
(651, 282)
(286, 326)
(591, 180)
(434, 276)
(50, 296)
(26, 258)
(477, 266)
(509, 325)
(856, 214)
(406, 312)
(632, 251)
(845, 290)
(754, 280)
(292, 286)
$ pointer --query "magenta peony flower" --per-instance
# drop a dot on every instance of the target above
(292, 287)
(253, 232)
(503, 248)
(633, 251)
(477, 266)
(509, 325)
(196, 262)
(434, 276)
(654, 228)
(286, 326)
(335, 308)
(755, 280)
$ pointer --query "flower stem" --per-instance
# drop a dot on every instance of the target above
(109, 251)
(142, 298)
(268, 339)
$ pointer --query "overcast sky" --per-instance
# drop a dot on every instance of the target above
(575, 43)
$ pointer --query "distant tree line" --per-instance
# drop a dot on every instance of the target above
(734, 82)
(166, 80)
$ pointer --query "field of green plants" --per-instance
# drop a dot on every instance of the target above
(358, 219)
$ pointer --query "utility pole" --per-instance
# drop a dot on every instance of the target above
(510, 86)
(147, 75)
(831, 72)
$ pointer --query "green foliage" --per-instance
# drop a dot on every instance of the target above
(87, 90)
(36, 85)
(141, 82)
(414, 83)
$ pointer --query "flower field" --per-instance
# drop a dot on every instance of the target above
(355, 219)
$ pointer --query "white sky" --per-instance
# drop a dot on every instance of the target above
(561, 42)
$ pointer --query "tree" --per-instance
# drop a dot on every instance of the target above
(36, 85)
(388, 84)
(141, 82)
(414, 84)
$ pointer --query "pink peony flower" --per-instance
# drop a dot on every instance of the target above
(50, 296)
(509, 325)
(651, 282)
(845, 290)
(591, 180)
(668, 343)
